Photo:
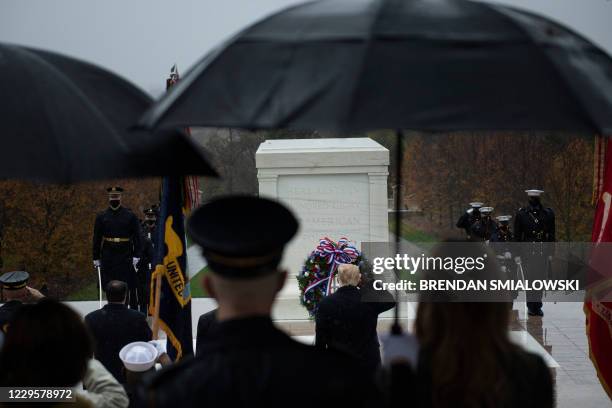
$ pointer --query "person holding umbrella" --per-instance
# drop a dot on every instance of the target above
(117, 244)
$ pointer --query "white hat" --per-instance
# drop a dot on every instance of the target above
(503, 218)
(138, 356)
(476, 204)
(486, 210)
(534, 193)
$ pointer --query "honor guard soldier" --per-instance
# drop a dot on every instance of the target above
(15, 292)
(246, 360)
(469, 217)
(145, 265)
(117, 244)
(501, 242)
(483, 227)
(534, 225)
(503, 233)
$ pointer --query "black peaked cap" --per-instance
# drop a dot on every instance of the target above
(240, 235)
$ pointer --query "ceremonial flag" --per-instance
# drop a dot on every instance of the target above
(170, 293)
(599, 313)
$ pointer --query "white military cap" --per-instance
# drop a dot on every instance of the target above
(138, 356)
(476, 204)
(503, 218)
(486, 210)
(534, 193)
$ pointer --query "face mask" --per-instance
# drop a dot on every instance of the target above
(534, 201)
(114, 204)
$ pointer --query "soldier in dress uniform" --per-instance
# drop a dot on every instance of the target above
(469, 217)
(501, 243)
(14, 291)
(117, 244)
(483, 227)
(246, 360)
(535, 225)
(145, 264)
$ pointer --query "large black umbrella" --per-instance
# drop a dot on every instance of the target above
(417, 64)
(400, 64)
(65, 120)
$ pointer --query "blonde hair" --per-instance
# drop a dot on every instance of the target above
(348, 274)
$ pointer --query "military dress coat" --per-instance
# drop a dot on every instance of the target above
(116, 241)
(248, 362)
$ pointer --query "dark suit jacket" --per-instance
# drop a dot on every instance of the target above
(113, 327)
(206, 324)
(346, 323)
(250, 363)
(7, 311)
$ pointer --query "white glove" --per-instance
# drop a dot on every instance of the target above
(399, 348)
(504, 269)
(96, 263)
(517, 259)
(158, 346)
(507, 255)
(135, 261)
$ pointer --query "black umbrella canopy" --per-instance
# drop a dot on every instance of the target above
(65, 120)
(169, 153)
(420, 64)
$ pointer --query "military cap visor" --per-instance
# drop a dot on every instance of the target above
(534, 193)
(114, 189)
(242, 236)
(14, 280)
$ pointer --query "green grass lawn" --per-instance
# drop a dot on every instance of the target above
(90, 291)
(412, 234)
(197, 291)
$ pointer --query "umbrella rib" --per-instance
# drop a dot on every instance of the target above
(168, 102)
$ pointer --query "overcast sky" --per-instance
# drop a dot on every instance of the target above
(142, 39)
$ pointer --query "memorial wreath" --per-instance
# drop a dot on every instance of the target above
(317, 274)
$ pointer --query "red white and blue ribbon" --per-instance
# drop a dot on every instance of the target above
(334, 254)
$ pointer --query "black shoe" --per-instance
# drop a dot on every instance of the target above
(535, 312)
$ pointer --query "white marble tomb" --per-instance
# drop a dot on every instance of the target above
(336, 187)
